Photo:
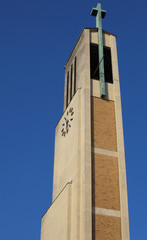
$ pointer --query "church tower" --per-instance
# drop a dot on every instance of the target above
(89, 185)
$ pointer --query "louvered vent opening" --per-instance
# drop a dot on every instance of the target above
(94, 60)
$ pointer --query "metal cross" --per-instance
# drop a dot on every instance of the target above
(99, 14)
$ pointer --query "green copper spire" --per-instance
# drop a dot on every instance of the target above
(99, 14)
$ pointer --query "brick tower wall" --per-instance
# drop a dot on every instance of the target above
(105, 176)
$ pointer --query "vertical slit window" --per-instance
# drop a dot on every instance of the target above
(71, 82)
(75, 75)
(108, 65)
(67, 87)
(94, 61)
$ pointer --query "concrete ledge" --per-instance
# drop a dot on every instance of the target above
(107, 212)
(104, 152)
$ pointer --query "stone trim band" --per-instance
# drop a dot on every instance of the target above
(107, 212)
(104, 152)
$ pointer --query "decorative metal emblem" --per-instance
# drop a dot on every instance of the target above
(67, 122)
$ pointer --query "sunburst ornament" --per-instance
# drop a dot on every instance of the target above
(67, 122)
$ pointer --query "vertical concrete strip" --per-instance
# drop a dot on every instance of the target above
(69, 222)
(86, 143)
(79, 172)
(120, 145)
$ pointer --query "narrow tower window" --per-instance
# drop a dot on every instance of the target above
(94, 63)
(108, 65)
(67, 88)
(71, 82)
(75, 75)
(94, 59)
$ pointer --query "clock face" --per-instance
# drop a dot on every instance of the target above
(67, 122)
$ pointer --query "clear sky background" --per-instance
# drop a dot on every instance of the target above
(36, 38)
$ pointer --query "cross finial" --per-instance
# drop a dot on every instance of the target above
(96, 11)
(99, 14)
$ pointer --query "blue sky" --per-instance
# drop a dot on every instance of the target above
(36, 38)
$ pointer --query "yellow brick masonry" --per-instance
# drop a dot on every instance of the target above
(105, 182)
(103, 124)
(106, 228)
(105, 177)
